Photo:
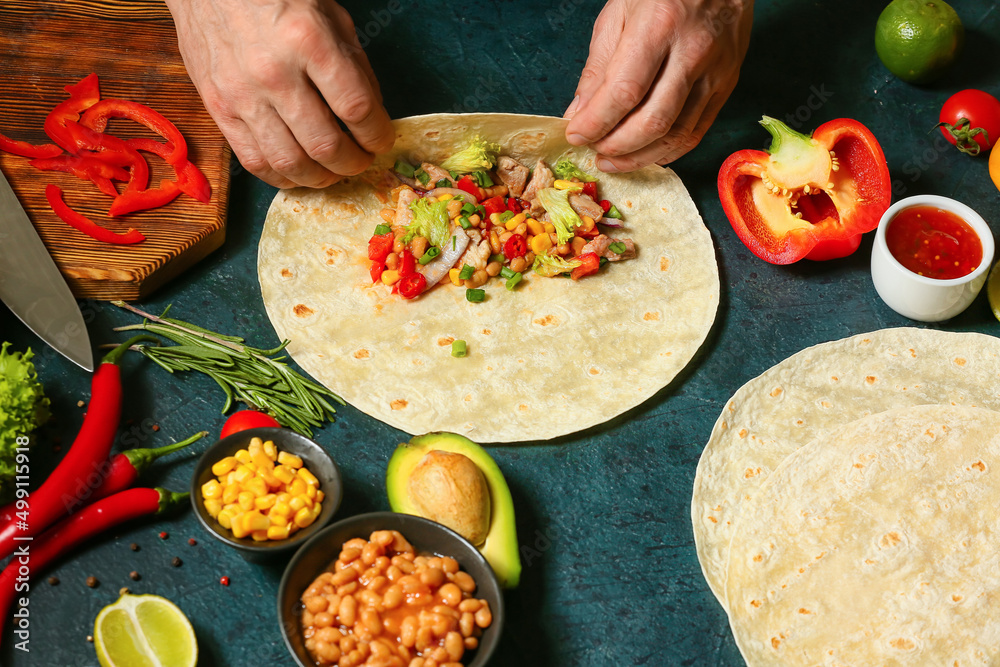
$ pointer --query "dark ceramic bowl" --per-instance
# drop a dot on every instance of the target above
(314, 457)
(427, 537)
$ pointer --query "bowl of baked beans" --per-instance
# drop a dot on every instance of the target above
(389, 590)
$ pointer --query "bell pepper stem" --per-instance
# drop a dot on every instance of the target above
(781, 133)
(115, 355)
(143, 458)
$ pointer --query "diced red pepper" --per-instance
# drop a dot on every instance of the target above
(379, 247)
(513, 205)
(494, 205)
(412, 285)
(605, 205)
(376, 271)
(590, 188)
(407, 264)
(468, 184)
(591, 263)
(24, 149)
(86, 225)
(515, 246)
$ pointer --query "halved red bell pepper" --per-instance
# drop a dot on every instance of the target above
(807, 197)
(85, 224)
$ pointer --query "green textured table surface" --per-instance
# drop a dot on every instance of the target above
(603, 517)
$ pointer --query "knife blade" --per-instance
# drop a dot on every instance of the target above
(34, 289)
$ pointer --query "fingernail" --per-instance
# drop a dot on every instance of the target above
(606, 166)
(571, 109)
(576, 139)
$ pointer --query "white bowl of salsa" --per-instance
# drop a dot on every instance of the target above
(931, 257)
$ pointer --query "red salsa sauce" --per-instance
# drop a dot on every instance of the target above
(934, 243)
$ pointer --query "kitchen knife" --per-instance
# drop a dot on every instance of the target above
(34, 289)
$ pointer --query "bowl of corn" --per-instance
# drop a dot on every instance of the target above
(265, 491)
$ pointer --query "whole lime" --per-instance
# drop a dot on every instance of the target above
(918, 39)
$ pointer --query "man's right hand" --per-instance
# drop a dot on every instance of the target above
(276, 75)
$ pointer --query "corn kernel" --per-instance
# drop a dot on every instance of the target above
(273, 483)
(540, 243)
(246, 500)
(535, 227)
(281, 508)
(276, 518)
(225, 519)
(279, 532)
(299, 502)
(307, 477)
(243, 456)
(310, 492)
(223, 466)
(265, 502)
(304, 518)
(561, 184)
(232, 508)
(297, 487)
(289, 460)
(271, 450)
(390, 277)
(238, 528)
(230, 493)
(254, 520)
(260, 535)
(453, 276)
(320, 496)
(444, 198)
(286, 475)
(512, 224)
(256, 447)
(263, 462)
(211, 489)
(257, 486)
(549, 227)
(243, 473)
(213, 506)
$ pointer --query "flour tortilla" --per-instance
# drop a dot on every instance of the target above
(875, 544)
(814, 390)
(552, 357)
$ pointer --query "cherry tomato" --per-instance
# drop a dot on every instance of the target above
(515, 246)
(244, 419)
(412, 285)
(970, 119)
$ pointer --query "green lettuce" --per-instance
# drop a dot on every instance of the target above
(567, 170)
(561, 214)
(23, 408)
(430, 220)
(553, 265)
(479, 155)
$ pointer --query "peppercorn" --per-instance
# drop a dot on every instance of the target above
(53, 581)
(192, 541)
(133, 546)
(224, 581)
(176, 562)
(92, 582)
(134, 576)
(164, 535)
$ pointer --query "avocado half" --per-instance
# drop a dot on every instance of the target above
(500, 548)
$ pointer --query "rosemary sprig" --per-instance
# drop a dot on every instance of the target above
(252, 375)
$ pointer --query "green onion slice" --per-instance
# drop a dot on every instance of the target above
(512, 281)
(466, 272)
(475, 295)
(429, 254)
(422, 176)
(468, 209)
(506, 215)
(617, 247)
(613, 212)
(507, 272)
(458, 348)
(404, 168)
(499, 257)
(443, 183)
(382, 229)
(464, 221)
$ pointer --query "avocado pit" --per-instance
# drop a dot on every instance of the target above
(449, 488)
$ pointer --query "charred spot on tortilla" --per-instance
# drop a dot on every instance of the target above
(302, 310)
(362, 354)
(547, 320)
(445, 340)
(398, 404)
(651, 317)
(287, 273)
(664, 264)
(960, 361)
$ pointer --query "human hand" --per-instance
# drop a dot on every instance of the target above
(658, 73)
(276, 75)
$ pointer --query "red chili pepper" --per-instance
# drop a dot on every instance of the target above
(605, 205)
(494, 205)
(90, 448)
(407, 264)
(516, 246)
(468, 184)
(591, 263)
(379, 246)
(590, 189)
(412, 286)
(85, 224)
(73, 531)
(117, 474)
(807, 197)
(24, 149)
(514, 206)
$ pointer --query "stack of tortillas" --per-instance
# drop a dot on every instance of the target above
(845, 507)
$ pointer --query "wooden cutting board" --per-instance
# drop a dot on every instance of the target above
(46, 45)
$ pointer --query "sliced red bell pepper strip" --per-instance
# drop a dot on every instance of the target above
(190, 178)
(97, 115)
(88, 168)
(376, 272)
(85, 224)
(407, 264)
(24, 149)
(590, 264)
(131, 201)
(807, 197)
(82, 96)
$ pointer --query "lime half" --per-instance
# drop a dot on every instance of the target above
(144, 631)
(993, 290)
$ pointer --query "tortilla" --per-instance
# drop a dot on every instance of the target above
(875, 544)
(550, 358)
(814, 390)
